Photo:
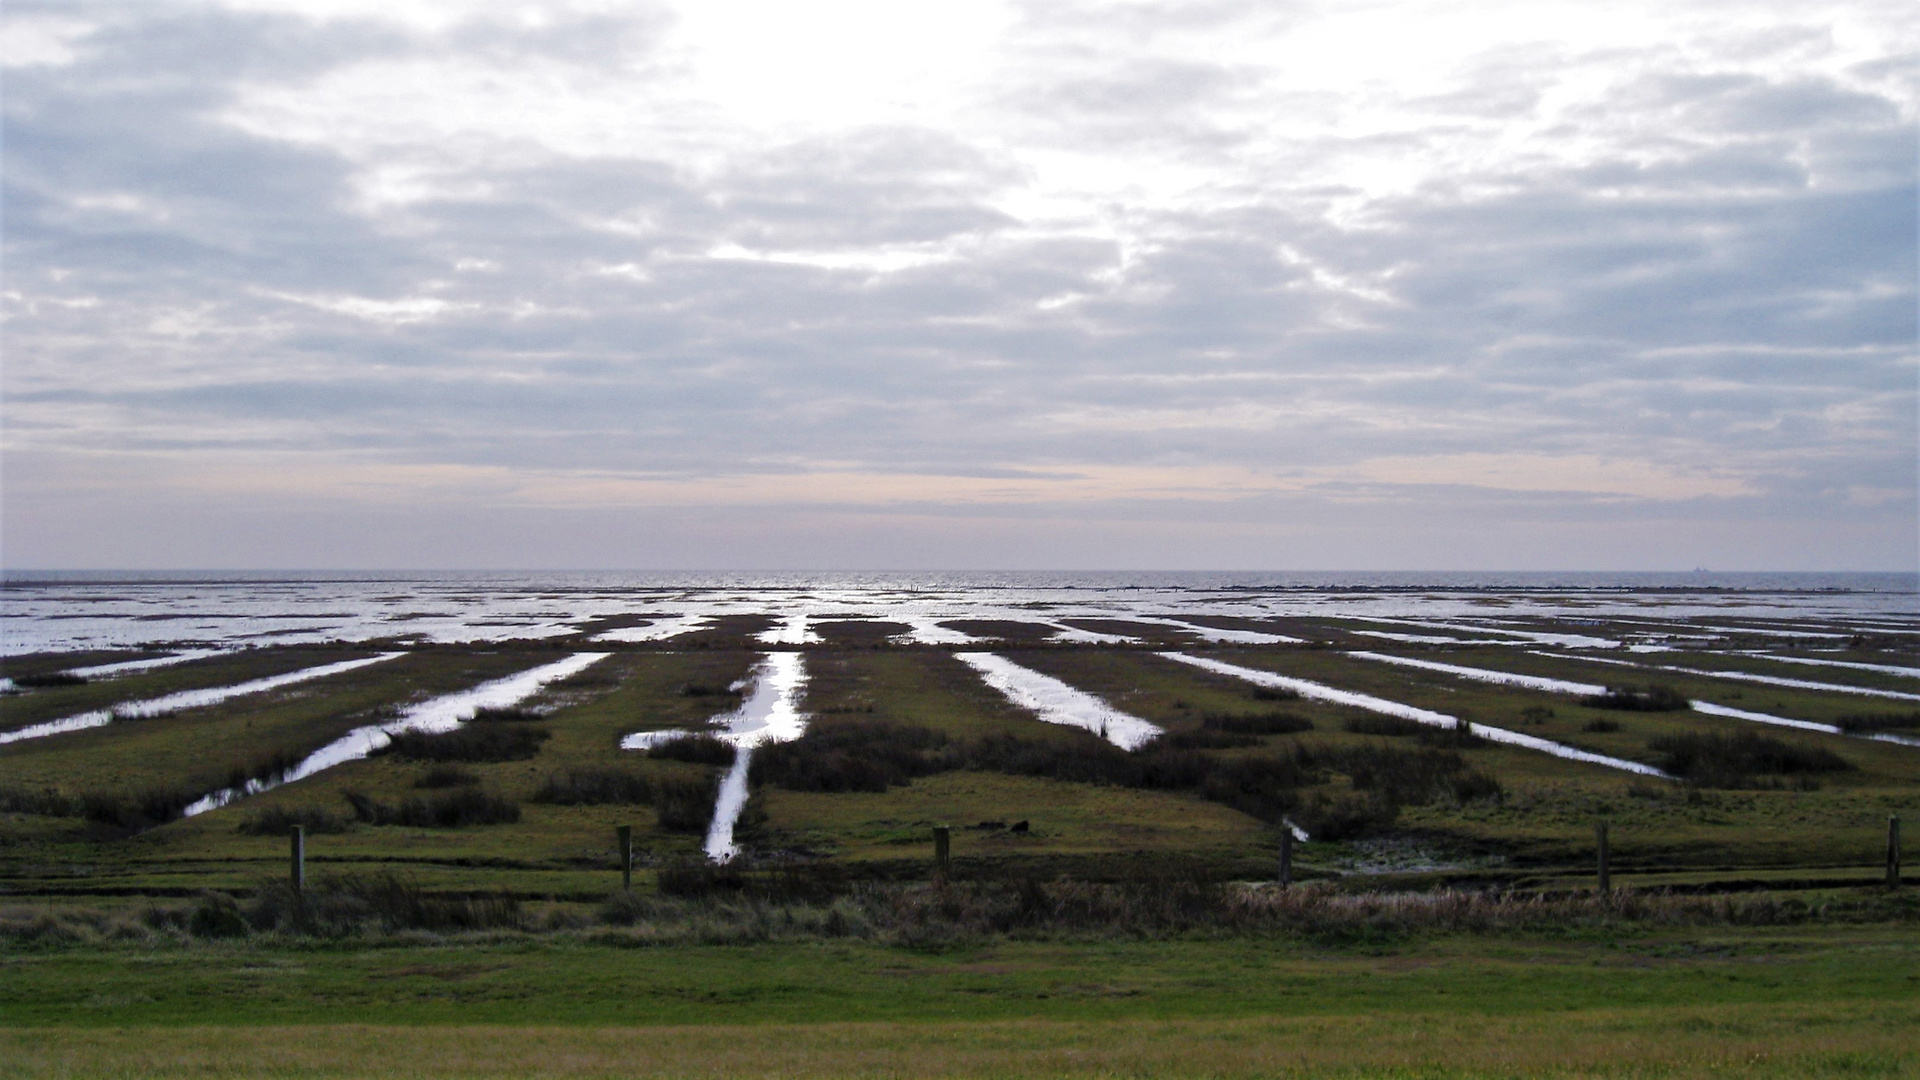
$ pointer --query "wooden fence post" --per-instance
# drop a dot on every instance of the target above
(625, 833)
(297, 868)
(942, 839)
(1600, 844)
(1286, 855)
(1893, 852)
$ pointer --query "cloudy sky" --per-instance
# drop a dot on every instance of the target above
(729, 284)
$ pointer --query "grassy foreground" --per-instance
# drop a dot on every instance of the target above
(1801, 1001)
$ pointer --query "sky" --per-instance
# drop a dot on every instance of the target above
(739, 285)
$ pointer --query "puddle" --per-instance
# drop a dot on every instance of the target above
(1057, 703)
(109, 671)
(658, 630)
(1570, 641)
(1429, 639)
(771, 713)
(185, 699)
(1319, 692)
(436, 715)
(928, 631)
(1752, 677)
(792, 632)
(1234, 637)
(1504, 678)
(1090, 637)
(1890, 669)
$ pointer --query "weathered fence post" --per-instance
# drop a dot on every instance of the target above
(942, 839)
(1893, 852)
(1286, 855)
(1600, 845)
(297, 868)
(625, 833)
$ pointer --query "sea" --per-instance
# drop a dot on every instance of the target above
(101, 610)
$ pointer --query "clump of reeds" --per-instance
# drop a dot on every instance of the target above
(461, 807)
(1273, 693)
(1858, 722)
(507, 714)
(472, 742)
(1600, 726)
(1459, 735)
(445, 776)
(1710, 759)
(685, 805)
(1389, 726)
(1273, 722)
(134, 811)
(593, 787)
(699, 749)
(1652, 698)
(701, 690)
(47, 679)
(338, 906)
(838, 757)
(277, 820)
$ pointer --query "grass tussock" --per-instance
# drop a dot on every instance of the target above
(1273, 693)
(455, 809)
(471, 742)
(49, 679)
(1459, 736)
(137, 811)
(445, 776)
(1652, 698)
(279, 820)
(509, 714)
(697, 749)
(595, 787)
(685, 805)
(1871, 722)
(1273, 722)
(1738, 760)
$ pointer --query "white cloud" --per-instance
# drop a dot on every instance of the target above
(1528, 261)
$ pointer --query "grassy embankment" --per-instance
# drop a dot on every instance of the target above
(1801, 1002)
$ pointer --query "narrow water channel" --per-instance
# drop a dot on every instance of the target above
(435, 715)
(1319, 692)
(185, 699)
(1057, 703)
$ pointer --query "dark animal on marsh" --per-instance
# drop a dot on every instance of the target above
(1600, 726)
